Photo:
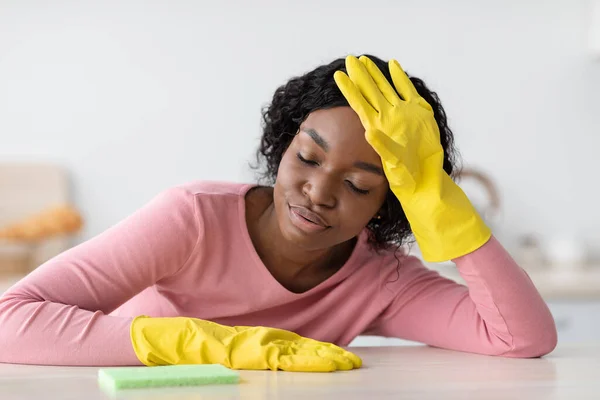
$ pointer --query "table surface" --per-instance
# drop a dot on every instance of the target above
(420, 372)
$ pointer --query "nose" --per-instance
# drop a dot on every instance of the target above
(321, 191)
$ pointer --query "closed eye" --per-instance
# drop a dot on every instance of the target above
(357, 190)
(305, 161)
(350, 184)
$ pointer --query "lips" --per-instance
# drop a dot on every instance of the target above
(309, 215)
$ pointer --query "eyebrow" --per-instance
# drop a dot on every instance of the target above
(317, 138)
(322, 143)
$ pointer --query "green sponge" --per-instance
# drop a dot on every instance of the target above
(172, 375)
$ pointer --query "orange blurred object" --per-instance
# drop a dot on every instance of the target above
(54, 221)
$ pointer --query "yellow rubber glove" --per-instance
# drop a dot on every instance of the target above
(405, 134)
(180, 340)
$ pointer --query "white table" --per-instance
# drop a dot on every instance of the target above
(419, 372)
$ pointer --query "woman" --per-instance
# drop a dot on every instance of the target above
(276, 277)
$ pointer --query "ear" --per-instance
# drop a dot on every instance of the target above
(377, 218)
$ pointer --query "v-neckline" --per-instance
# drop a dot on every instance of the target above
(345, 270)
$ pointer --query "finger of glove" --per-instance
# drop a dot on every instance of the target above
(362, 79)
(354, 97)
(401, 180)
(275, 335)
(402, 82)
(400, 171)
(353, 358)
(356, 361)
(311, 345)
(297, 363)
(385, 87)
(342, 363)
(388, 149)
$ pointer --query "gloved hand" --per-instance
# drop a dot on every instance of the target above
(180, 340)
(405, 134)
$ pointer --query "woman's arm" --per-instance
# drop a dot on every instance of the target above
(500, 312)
(57, 315)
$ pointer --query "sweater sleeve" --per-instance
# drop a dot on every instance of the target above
(499, 312)
(58, 314)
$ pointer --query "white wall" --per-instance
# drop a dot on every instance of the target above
(135, 96)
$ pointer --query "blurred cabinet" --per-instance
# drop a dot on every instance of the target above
(576, 321)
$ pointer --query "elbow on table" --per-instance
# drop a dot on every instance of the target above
(536, 343)
(8, 336)
(13, 321)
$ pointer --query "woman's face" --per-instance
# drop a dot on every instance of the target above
(330, 181)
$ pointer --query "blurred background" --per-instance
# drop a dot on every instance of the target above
(103, 104)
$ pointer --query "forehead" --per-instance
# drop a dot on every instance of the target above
(340, 127)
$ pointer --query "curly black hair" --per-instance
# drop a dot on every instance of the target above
(315, 90)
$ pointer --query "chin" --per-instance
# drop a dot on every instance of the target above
(307, 241)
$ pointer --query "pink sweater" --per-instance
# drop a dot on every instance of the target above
(188, 253)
